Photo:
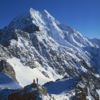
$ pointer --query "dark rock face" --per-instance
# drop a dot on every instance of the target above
(1, 32)
(16, 96)
(80, 94)
(7, 68)
(31, 28)
(4, 53)
(7, 35)
(30, 92)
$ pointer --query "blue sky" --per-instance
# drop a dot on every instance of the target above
(83, 15)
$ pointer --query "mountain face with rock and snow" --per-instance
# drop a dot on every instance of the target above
(36, 45)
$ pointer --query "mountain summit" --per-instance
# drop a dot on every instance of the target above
(36, 45)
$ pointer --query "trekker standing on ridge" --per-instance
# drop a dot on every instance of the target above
(37, 80)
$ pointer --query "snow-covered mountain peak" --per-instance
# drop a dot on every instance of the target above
(36, 17)
(36, 45)
(31, 18)
(62, 35)
(25, 20)
(44, 22)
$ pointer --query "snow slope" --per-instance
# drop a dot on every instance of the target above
(25, 75)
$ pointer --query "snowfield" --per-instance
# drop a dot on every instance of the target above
(25, 75)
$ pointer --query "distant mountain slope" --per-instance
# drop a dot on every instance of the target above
(96, 42)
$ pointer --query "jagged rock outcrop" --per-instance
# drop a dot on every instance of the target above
(87, 87)
(30, 92)
(5, 67)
